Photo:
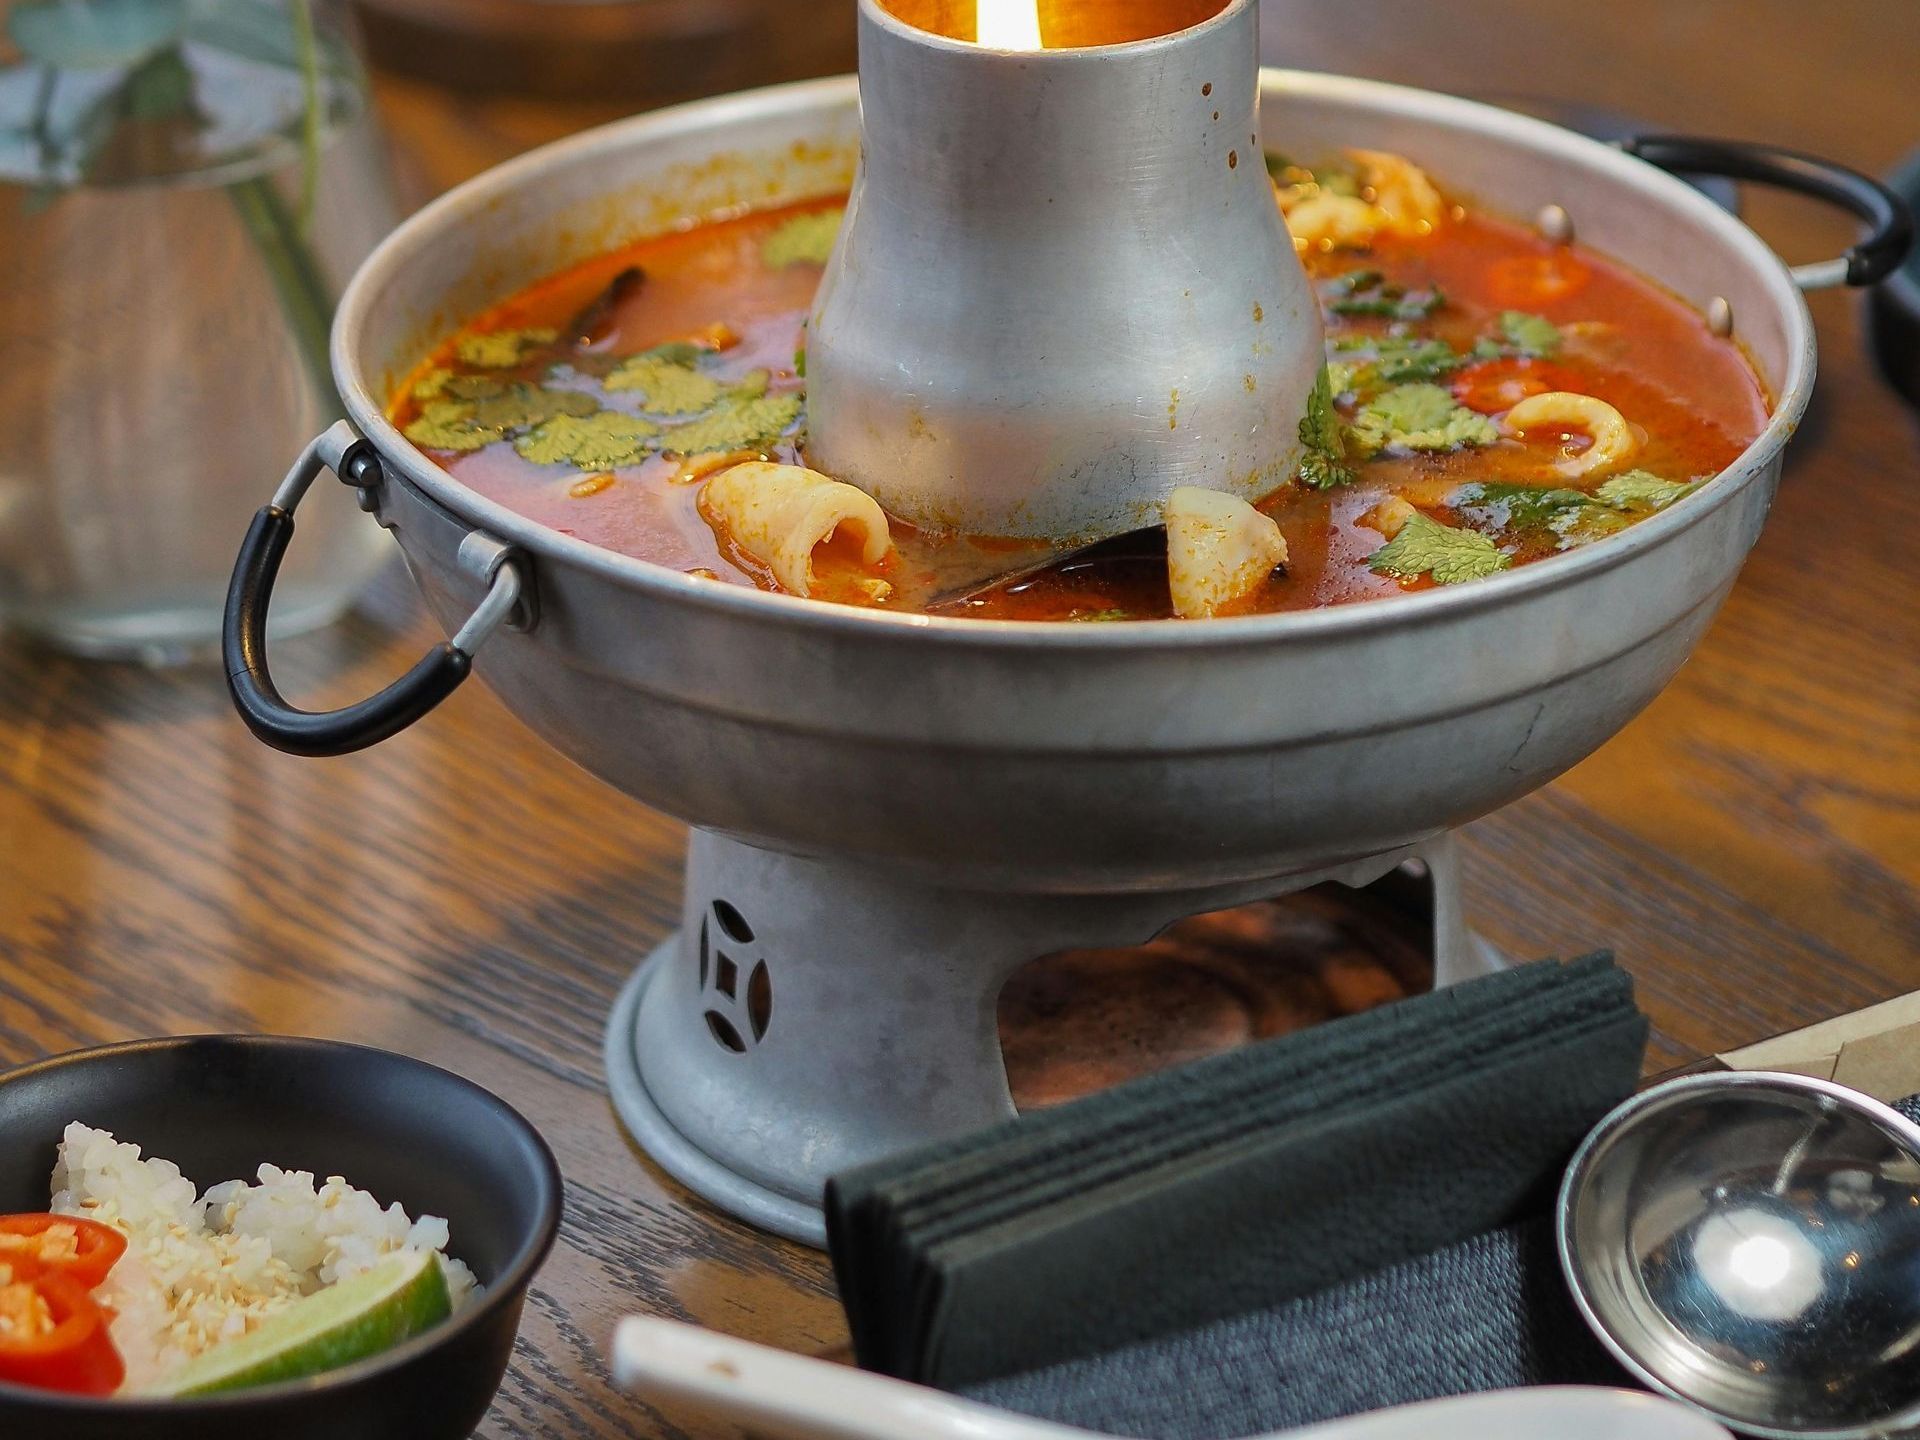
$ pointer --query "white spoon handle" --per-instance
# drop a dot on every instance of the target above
(796, 1397)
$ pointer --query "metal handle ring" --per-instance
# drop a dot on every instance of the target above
(244, 630)
(1890, 223)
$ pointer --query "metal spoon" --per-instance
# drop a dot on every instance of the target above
(1750, 1243)
(796, 1397)
(1146, 544)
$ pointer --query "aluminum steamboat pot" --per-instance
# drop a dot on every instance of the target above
(1033, 757)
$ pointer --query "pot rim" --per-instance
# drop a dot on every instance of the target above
(813, 98)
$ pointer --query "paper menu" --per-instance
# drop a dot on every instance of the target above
(1875, 1051)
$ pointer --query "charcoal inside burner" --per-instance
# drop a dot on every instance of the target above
(1078, 1021)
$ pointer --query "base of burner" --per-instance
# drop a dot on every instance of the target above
(809, 1017)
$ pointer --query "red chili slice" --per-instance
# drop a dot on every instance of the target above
(53, 1336)
(1527, 282)
(84, 1250)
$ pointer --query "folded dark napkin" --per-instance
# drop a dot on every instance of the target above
(1486, 1313)
(1251, 1181)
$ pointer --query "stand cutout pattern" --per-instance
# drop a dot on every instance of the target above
(737, 1015)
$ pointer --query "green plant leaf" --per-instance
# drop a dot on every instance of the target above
(442, 381)
(738, 424)
(1522, 506)
(258, 30)
(449, 425)
(519, 405)
(604, 440)
(1582, 527)
(1368, 292)
(1426, 547)
(1641, 490)
(160, 88)
(501, 349)
(1419, 417)
(1366, 363)
(1531, 335)
(665, 387)
(750, 386)
(1322, 465)
(95, 34)
(804, 240)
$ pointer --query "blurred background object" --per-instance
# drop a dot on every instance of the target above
(185, 186)
(466, 83)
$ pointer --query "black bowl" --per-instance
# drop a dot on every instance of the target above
(219, 1105)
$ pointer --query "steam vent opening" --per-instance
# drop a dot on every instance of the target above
(1079, 1021)
(1052, 24)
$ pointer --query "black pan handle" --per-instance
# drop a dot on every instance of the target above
(1890, 233)
(244, 631)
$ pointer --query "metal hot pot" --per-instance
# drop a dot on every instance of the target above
(891, 812)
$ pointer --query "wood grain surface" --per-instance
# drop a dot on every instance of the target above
(1750, 845)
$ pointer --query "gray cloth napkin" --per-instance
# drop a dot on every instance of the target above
(1487, 1313)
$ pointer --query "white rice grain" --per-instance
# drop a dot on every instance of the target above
(204, 1268)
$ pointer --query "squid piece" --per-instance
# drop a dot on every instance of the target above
(1218, 549)
(780, 514)
(1614, 442)
(1334, 222)
(1401, 191)
(1397, 197)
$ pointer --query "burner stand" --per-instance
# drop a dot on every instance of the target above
(809, 1016)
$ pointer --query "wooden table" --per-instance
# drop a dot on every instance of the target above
(1751, 845)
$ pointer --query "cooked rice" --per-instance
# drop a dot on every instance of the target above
(203, 1269)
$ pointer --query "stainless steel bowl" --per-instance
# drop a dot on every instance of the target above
(1751, 1243)
(1025, 756)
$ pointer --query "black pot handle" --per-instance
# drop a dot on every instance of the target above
(244, 632)
(1877, 256)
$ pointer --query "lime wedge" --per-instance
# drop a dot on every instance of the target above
(360, 1316)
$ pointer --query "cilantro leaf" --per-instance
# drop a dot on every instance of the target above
(1523, 506)
(472, 387)
(1411, 358)
(804, 240)
(1530, 335)
(1396, 360)
(501, 349)
(673, 352)
(432, 385)
(1322, 466)
(519, 405)
(449, 425)
(1367, 292)
(1355, 281)
(441, 382)
(739, 424)
(1419, 417)
(1426, 547)
(604, 440)
(1641, 489)
(1343, 376)
(1582, 527)
(750, 386)
(665, 387)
